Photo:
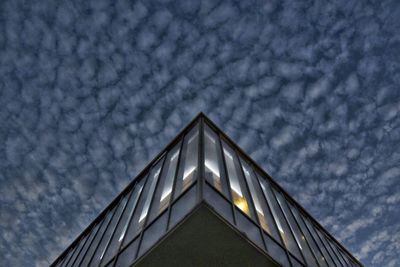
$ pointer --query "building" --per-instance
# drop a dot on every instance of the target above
(203, 202)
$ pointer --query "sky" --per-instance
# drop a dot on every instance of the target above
(91, 91)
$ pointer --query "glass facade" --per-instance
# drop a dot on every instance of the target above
(202, 165)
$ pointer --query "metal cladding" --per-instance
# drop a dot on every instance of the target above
(202, 165)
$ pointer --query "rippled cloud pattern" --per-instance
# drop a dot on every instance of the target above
(90, 91)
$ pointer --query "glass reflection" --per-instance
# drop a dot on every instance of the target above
(189, 162)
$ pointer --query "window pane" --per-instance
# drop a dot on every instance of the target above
(318, 241)
(213, 161)
(189, 161)
(328, 247)
(298, 235)
(97, 239)
(183, 206)
(310, 240)
(136, 224)
(238, 189)
(77, 251)
(262, 210)
(164, 189)
(280, 220)
(69, 255)
(119, 233)
(107, 234)
(86, 246)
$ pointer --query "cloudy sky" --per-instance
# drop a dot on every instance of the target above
(90, 91)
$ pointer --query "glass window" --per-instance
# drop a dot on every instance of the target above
(280, 220)
(98, 256)
(318, 241)
(308, 237)
(120, 230)
(332, 249)
(87, 244)
(68, 256)
(163, 192)
(189, 162)
(153, 233)
(328, 247)
(222, 206)
(128, 254)
(298, 235)
(140, 214)
(183, 206)
(276, 251)
(262, 210)
(77, 251)
(340, 255)
(240, 195)
(213, 161)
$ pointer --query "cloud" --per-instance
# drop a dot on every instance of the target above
(90, 93)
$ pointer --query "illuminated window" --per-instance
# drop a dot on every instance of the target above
(321, 259)
(213, 161)
(164, 189)
(262, 210)
(189, 162)
(239, 195)
(140, 214)
(297, 233)
(122, 226)
(280, 220)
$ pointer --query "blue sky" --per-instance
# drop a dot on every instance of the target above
(90, 91)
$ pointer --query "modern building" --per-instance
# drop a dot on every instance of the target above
(203, 202)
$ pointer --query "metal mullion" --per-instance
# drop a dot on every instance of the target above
(323, 244)
(151, 202)
(288, 223)
(251, 197)
(307, 242)
(67, 259)
(272, 214)
(105, 230)
(301, 231)
(147, 179)
(75, 251)
(91, 242)
(200, 159)
(116, 225)
(332, 249)
(339, 254)
(226, 176)
(178, 165)
(80, 251)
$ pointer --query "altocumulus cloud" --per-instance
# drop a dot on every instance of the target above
(90, 91)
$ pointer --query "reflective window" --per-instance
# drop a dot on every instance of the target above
(328, 247)
(189, 162)
(280, 220)
(340, 256)
(97, 239)
(238, 189)
(318, 241)
(108, 233)
(69, 255)
(87, 244)
(213, 161)
(164, 189)
(309, 238)
(298, 235)
(77, 251)
(120, 230)
(140, 214)
(262, 210)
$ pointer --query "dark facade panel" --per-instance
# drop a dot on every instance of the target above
(203, 165)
